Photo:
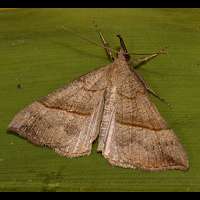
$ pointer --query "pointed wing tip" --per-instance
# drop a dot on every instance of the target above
(13, 127)
(10, 128)
(185, 165)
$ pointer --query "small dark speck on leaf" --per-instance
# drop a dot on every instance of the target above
(19, 86)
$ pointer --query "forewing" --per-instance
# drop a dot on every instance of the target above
(134, 133)
(68, 119)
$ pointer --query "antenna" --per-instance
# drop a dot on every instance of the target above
(86, 39)
(99, 45)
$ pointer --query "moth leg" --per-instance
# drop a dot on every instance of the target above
(107, 47)
(157, 96)
(151, 91)
(141, 61)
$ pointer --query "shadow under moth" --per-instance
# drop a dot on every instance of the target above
(110, 104)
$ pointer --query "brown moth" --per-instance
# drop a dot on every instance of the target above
(111, 104)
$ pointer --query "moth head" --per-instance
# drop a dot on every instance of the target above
(120, 53)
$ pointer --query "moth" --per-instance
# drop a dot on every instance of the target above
(110, 104)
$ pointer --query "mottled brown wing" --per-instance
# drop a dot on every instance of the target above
(133, 134)
(68, 119)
